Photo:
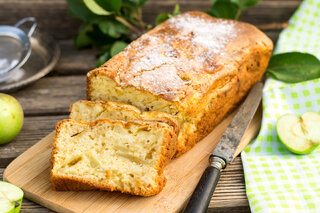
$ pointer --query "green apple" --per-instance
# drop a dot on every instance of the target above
(301, 135)
(11, 118)
(10, 198)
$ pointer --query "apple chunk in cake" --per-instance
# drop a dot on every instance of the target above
(112, 155)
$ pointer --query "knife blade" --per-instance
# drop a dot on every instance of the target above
(224, 152)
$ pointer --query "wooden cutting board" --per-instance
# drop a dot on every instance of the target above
(31, 172)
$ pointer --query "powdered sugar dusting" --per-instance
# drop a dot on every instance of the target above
(152, 67)
(166, 76)
(157, 56)
(212, 35)
(164, 62)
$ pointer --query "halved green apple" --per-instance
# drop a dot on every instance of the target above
(10, 198)
(301, 135)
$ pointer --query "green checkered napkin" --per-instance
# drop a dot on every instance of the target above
(276, 179)
(303, 32)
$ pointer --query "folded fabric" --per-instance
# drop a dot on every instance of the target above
(277, 180)
(303, 32)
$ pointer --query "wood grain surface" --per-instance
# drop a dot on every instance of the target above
(52, 95)
(31, 171)
(53, 14)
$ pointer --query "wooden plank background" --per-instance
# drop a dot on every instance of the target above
(53, 17)
(47, 101)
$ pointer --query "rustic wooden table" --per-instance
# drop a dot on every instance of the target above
(47, 101)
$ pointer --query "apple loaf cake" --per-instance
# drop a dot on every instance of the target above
(193, 66)
(86, 111)
(112, 155)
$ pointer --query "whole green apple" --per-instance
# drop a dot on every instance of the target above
(11, 118)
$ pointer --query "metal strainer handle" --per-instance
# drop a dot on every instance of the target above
(32, 28)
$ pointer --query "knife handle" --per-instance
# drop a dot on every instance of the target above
(201, 196)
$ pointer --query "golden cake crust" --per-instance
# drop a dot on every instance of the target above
(202, 66)
(181, 65)
(67, 183)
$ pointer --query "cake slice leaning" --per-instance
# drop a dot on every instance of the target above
(129, 157)
(93, 110)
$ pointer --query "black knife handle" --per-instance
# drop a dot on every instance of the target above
(201, 196)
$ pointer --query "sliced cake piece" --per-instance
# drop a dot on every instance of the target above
(93, 110)
(112, 155)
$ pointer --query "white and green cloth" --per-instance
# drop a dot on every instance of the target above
(277, 180)
(303, 32)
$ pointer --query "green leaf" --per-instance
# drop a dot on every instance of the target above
(161, 18)
(110, 5)
(117, 47)
(82, 39)
(103, 58)
(245, 3)
(251, 3)
(99, 38)
(78, 8)
(116, 4)
(113, 28)
(136, 2)
(131, 3)
(294, 67)
(141, 2)
(95, 8)
(69, 11)
(176, 10)
(224, 9)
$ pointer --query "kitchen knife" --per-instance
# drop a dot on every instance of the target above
(224, 152)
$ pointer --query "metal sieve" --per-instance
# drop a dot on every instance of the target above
(15, 46)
